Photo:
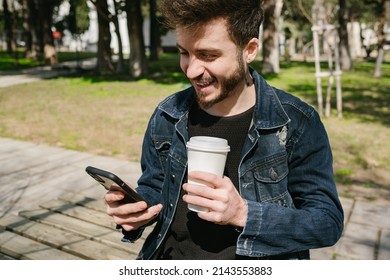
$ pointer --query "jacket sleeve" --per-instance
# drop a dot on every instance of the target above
(150, 183)
(316, 220)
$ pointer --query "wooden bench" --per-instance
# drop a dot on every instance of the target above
(71, 227)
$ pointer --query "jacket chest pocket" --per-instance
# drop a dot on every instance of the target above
(162, 147)
(270, 180)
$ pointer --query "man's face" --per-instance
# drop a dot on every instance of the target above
(212, 62)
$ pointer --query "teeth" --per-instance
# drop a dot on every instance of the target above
(204, 84)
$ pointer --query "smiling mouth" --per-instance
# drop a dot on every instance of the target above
(204, 84)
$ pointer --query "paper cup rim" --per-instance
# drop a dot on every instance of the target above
(202, 143)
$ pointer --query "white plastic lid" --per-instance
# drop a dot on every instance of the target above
(209, 144)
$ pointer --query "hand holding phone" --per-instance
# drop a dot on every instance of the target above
(107, 179)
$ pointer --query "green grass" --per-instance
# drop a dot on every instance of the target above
(108, 114)
(16, 60)
(360, 139)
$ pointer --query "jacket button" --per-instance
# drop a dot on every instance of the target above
(273, 174)
(173, 177)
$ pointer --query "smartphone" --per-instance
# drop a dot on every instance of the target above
(106, 179)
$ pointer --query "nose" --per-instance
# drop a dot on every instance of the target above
(192, 67)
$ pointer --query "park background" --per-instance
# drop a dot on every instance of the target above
(124, 62)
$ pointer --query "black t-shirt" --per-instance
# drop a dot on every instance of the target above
(190, 237)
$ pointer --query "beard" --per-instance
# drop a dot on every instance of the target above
(228, 86)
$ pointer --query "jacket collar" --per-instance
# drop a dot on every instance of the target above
(269, 112)
(178, 105)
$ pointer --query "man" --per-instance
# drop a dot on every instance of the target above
(277, 199)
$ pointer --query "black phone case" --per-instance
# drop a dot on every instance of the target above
(106, 179)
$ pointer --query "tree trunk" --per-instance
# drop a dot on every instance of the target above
(35, 30)
(381, 41)
(272, 11)
(8, 26)
(27, 29)
(345, 54)
(46, 9)
(120, 64)
(104, 60)
(154, 45)
(138, 66)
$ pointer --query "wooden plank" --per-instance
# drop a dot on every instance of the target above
(25, 191)
(64, 240)
(384, 245)
(98, 205)
(22, 248)
(5, 257)
(79, 199)
(82, 213)
(91, 231)
(28, 158)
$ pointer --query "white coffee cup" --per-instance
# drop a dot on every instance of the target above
(206, 154)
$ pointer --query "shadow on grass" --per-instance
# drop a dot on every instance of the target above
(365, 97)
(164, 71)
(16, 61)
(360, 103)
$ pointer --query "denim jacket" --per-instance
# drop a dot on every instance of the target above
(285, 175)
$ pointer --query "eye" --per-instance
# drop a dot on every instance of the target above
(208, 56)
(183, 53)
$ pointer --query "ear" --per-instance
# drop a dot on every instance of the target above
(251, 50)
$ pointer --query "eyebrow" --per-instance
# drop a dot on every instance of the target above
(200, 50)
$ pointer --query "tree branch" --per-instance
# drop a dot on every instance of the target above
(107, 18)
(307, 16)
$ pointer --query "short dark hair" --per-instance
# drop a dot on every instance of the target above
(243, 17)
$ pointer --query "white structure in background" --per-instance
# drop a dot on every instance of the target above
(327, 35)
(89, 39)
(354, 39)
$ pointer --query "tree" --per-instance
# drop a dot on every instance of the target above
(104, 60)
(295, 15)
(272, 11)
(138, 65)
(34, 46)
(345, 55)
(8, 26)
(114, 18)
(385, 4)
(76, 22)
(154, 31)
(27, 29)
(37, 25)
(46, 9)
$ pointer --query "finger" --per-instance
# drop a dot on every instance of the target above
(200, 191)
(139, 218)
(212, 204)
(113, 196)
(209, 179)
(123, 209)
(115, 187)
(135, 226)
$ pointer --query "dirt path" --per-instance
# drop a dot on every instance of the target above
(368, 184)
